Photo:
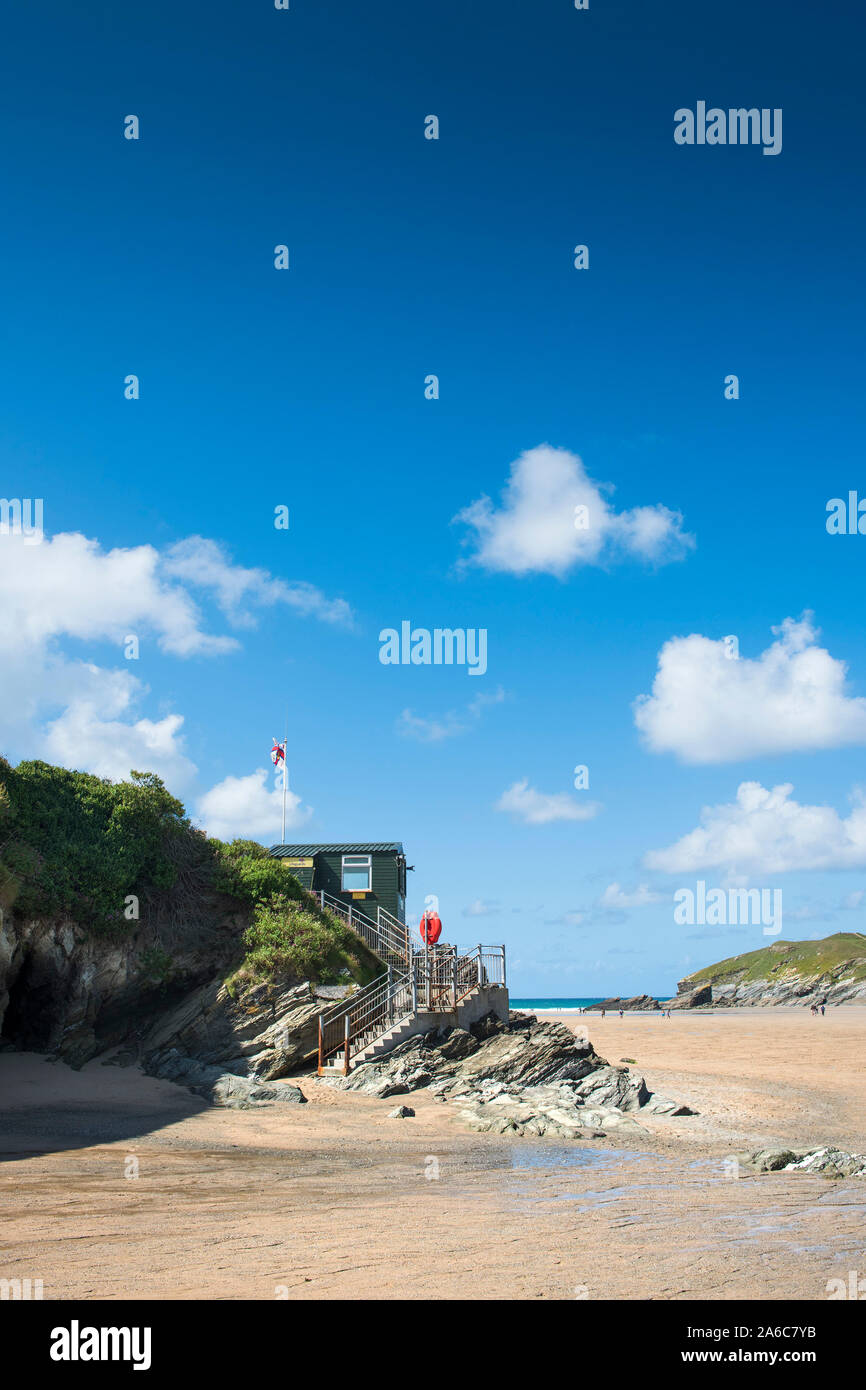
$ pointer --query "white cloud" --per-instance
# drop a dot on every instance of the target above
(852, 901)
(707, 708)
(91, 734)
(455, 722)
(567, 919)
(204, 564)
(765, 831)
(249, 808)
(69, 587)
(480, 908)
(533, 530)
(69, 590)
(532, 807)
(614, 896)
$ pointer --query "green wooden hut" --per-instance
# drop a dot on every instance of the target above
(367, 876)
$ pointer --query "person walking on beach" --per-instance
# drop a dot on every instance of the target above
(602, 1013)
(822, 1010)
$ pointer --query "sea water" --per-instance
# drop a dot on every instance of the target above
(552, 1005)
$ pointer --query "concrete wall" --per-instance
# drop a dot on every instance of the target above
(489, 999)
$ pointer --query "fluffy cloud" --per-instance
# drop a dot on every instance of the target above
(248, 807)
(532, 807)
(96, 731)
(534, 528)
(708, 708)
(766, 831)
(68, 589)
(615, 897)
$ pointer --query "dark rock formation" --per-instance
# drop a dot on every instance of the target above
(266, 1032)
(220, 1087)
(523, 1077)
(76, 994)
(693, 998)
(637, 1002)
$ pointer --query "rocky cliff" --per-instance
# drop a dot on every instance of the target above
(76, 995)
(73, 993)
(830, 971)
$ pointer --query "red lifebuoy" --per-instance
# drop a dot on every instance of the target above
(430, 928)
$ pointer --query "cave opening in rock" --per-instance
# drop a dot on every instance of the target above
(28, 1018)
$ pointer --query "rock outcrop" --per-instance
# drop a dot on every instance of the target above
(828, 1162)
(637, 1002)
(218, 1086)
(77, 995)
(691, 998)
(831, 971)
(523, 1077)
(265, 1032)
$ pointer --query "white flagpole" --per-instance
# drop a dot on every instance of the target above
(285, 776)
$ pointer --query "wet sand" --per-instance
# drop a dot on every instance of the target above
(335, 1200)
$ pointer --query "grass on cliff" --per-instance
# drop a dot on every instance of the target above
(80, 847)
(289, 937)
(288, 942)
(804, 958)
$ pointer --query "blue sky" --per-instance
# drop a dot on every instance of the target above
(305, 388)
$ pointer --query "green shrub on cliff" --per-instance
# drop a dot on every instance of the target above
(286, 940)
(245, 870)
(75, 844)
(289, 936)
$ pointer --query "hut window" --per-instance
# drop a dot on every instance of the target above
(357, 873)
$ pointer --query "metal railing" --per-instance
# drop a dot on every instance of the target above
(438, 978)
(352, 1025)
(396, 931)
(388, 938)
(443, 975)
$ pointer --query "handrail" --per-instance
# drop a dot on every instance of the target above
(397, 929)
(435, 982)
(387, 943)
(365, 1016)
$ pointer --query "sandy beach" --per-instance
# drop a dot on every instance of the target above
(333, 1199)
